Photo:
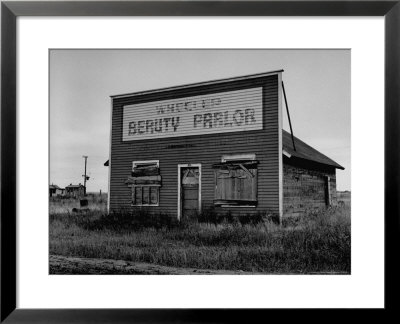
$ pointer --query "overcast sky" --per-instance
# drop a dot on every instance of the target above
(317, 84)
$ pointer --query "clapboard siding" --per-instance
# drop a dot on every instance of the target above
(205, 149)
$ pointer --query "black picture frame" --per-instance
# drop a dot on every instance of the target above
(10, 10)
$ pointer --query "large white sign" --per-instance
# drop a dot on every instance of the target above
(223, 112)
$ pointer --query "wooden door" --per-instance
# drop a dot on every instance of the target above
(190, 191)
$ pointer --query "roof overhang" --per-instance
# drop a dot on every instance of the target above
(294, 157)
(286, 153)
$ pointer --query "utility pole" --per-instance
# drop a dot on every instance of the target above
(287, 110)
(85, 177)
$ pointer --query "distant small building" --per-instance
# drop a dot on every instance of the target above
(55, 190)
(75, 190)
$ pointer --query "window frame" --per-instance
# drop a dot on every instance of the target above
(238, 157)
(135, 163)
(134, 187)
(231, 158)
(133, 195)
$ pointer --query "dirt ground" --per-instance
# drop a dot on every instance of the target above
(73, 265)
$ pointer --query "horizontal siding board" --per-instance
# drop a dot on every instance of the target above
(206, 149)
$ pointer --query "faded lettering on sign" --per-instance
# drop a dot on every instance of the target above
(228, 111)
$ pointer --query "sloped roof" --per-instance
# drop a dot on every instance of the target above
(305, 151)
(53, 186)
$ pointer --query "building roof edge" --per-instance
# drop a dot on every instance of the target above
(197, 84)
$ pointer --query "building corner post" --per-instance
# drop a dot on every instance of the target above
(109, 158)
(280, 144)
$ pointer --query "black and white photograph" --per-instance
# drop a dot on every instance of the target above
(200, 161)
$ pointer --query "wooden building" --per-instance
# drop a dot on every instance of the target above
(75, 191)
(309, 177)
(215, 144)
(55, 191)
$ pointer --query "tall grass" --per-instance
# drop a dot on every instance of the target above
(65, 204)
(319, 242)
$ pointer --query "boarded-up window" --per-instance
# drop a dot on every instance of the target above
(145, 168)
(236, 183)
(145, 182)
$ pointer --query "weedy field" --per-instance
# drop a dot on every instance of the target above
(317, 243)
(65, 205)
